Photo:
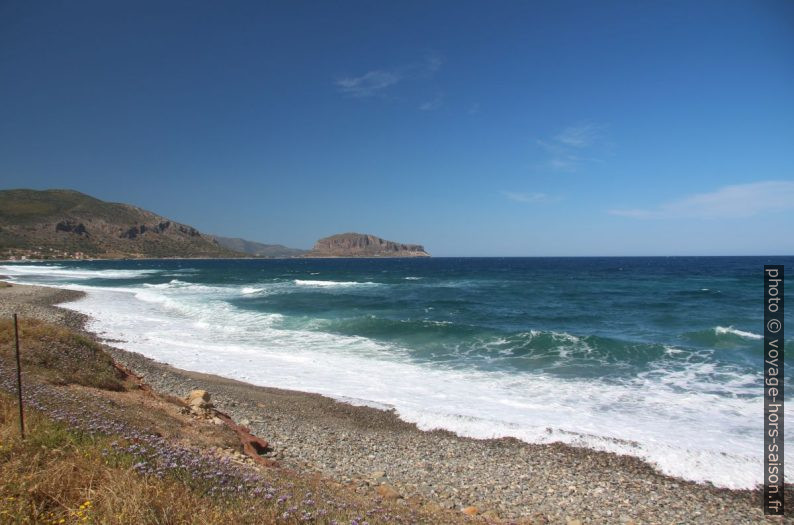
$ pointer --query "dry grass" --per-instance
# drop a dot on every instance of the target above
(58, 475)
(61, 356)
(62, 474)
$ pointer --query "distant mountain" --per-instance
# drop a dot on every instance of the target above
(66, 223)
(363, 245)
(257, 248)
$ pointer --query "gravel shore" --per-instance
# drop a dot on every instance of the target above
(37, 302)
(365, 446)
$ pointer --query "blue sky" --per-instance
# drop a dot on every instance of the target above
(474, 128)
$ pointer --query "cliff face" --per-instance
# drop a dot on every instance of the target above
(65, 223)
(364, 245)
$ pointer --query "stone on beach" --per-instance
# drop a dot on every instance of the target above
(198, 396)
(377, 477)
(471, 510)
(386, 491)
(199, 403)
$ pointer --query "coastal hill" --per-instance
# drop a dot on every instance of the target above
(67, 223)
(363, 245)
(257, 249)
(52, 224)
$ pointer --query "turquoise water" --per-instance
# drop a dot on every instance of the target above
(656, 357)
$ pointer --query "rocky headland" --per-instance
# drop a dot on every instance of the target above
(364, 245)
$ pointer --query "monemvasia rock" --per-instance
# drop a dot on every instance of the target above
(363, 245)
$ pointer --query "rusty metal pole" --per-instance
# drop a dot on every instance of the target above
(19, 381)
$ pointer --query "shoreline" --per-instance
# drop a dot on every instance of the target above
(507, 477)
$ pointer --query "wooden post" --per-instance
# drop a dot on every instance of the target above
(19, 381)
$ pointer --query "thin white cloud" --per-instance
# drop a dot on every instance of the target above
(433, 62)
(582, 135)
(562, 161)
(378, 81)
(729, 202)
(527, 197)
(432, 105)
(368, 84)
(572, 147)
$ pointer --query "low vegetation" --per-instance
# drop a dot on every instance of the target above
(64, 475)
(62, 356)
(64, 224)
(90, 456)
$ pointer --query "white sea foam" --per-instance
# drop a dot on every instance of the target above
(681, 419)
(634, 417)
(412, 278)
(722, 330)
(332, 284)
(58, 272)
(670, 350)
(173, 283)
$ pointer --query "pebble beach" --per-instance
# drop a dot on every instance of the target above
(505, 479)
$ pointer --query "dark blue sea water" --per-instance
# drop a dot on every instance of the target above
(657, 357)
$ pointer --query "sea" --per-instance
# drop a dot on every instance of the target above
(654, 357)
